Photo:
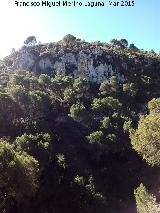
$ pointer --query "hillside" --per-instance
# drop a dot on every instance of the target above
(79, 128)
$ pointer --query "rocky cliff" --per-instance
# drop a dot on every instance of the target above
(95, 61)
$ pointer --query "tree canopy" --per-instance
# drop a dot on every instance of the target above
(30, 41)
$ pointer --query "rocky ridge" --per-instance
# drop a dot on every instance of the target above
(94, 61)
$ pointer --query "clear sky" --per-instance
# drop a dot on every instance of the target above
(139, 24)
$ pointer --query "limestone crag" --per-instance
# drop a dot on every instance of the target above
(66, 63)
(94, 62)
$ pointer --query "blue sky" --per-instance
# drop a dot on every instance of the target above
(139, 24)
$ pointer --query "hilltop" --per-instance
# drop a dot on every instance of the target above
(95, 61)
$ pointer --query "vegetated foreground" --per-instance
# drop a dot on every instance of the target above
(80, 138)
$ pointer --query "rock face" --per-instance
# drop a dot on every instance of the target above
(75, 64)
(96, 63)
(24, 60)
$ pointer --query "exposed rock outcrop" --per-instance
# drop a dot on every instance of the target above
(95, 62)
